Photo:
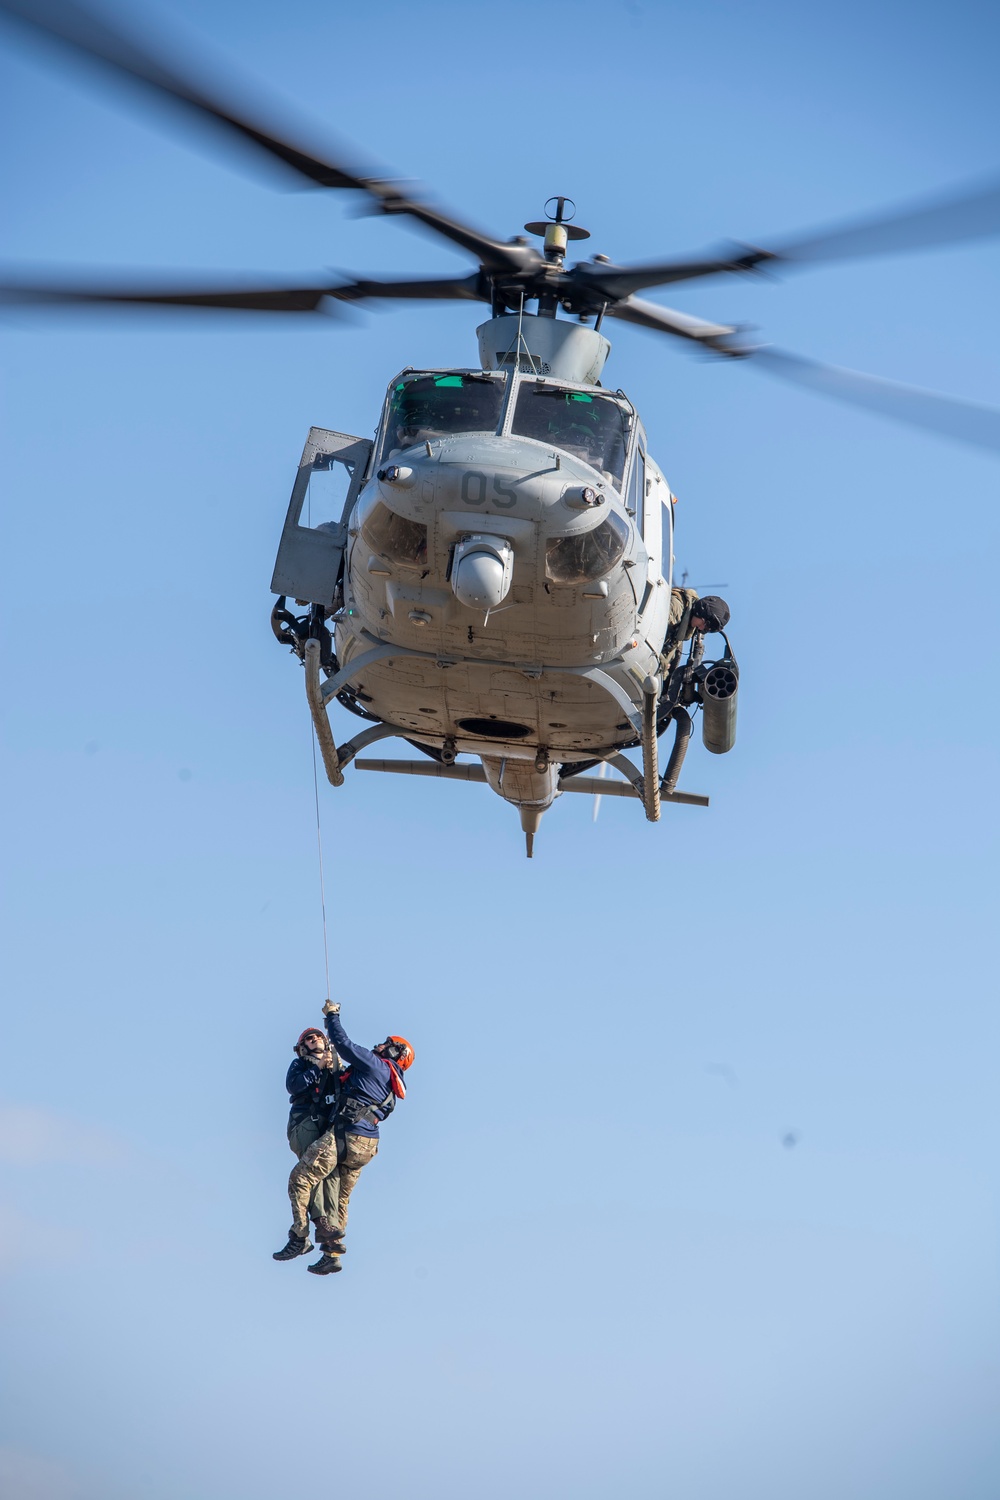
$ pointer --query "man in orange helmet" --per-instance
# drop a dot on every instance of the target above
(370, 1086)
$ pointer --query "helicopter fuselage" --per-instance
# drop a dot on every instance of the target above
(526, 495)
(499, 582)
(494, 679)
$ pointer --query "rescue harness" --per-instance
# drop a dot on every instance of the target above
(322, 1096)
(352, 1111)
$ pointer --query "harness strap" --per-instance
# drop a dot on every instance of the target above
(325, 1094)
(356, 1111)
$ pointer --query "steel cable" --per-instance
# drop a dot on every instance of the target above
(319, 849)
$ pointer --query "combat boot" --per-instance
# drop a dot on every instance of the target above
(294, 1248)
(326, 1265)
(329, 1237)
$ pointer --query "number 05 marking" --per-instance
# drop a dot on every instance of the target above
(475, 486)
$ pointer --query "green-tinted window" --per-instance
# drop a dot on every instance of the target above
(424, 407)
(591, 427)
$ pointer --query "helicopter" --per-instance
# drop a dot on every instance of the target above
(491, 576)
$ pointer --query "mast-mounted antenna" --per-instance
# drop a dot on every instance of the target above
(556, 228)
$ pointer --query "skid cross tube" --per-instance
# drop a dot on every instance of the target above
(333, 684)
(608, 683)
(588, 785)
(348, 751)
(597, 786)
(334, 759)
(634, 775)
(424, 768)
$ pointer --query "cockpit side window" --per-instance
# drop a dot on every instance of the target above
(591, 427)
(423, 407)
(636, 501)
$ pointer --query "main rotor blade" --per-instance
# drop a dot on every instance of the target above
(237, 299)
(447, 289)
(942, 220)
(249, 298)
(958, 216)
(965, 421)
(82, 30)
(668, 320)
(621, 281)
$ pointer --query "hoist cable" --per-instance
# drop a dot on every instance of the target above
(319, 849)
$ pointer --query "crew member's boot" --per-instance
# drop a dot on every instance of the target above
(326, 1265)
(294, 1248)
(330, 1236)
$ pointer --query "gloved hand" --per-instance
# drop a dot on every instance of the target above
(331, 1007)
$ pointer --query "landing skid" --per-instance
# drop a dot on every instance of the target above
(589, 786)
(646, 785)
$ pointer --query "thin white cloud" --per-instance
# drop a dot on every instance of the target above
(19, 1241)
(29, 1476)
(31, 1137)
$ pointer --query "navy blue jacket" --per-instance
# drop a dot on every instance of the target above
(310, 1090)
(370, 1075)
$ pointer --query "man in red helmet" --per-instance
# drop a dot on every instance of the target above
(313, 1084)
(369, 1088)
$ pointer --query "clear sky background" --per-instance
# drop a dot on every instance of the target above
(585, 1262)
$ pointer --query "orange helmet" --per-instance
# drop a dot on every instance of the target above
(402, 1054)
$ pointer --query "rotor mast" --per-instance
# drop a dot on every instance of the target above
(539, 342)
(512, 272)
(556, 231)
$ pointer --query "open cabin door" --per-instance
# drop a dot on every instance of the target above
(311, 550)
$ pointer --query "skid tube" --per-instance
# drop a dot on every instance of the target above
(638, 784)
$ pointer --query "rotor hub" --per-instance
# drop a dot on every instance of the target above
(556, 229)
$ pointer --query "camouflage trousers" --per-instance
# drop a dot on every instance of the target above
(333, 1162)
(323, 1199)
(682, 602)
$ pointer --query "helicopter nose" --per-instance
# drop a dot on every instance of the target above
(481, 571)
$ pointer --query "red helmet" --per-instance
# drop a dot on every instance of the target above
(309, 1031)
(401, 1052)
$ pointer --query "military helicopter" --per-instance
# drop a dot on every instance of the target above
(491, 575)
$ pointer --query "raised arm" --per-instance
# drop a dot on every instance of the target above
(359, 1057)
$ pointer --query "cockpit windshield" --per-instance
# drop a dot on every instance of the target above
(591, 427)
(422, 407)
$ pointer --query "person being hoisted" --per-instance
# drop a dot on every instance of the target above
(369, 1088)
(313, 1084)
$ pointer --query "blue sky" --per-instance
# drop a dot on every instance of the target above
(584, 1262)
